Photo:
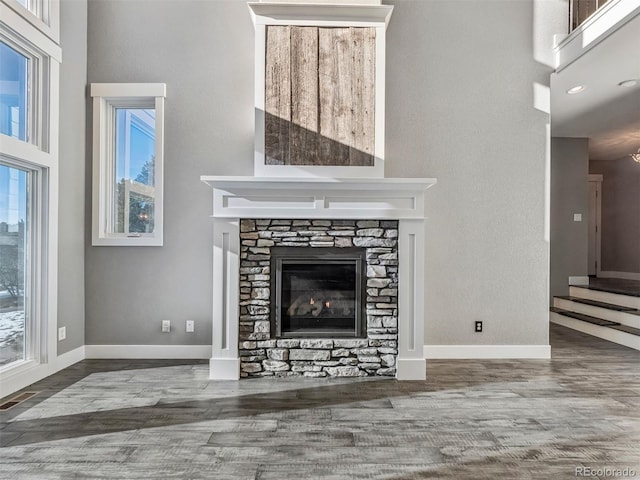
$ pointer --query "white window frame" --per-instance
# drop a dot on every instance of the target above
(38, 87)
(107, 97)
(38, 155)
(34, 348)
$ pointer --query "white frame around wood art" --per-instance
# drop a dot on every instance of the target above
(370, 14)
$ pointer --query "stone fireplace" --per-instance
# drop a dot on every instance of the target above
(318, 297)
(254, 216)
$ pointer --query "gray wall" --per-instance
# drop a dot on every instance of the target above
(460, 81)
(620, 245)
(73, 79)
(569, 195)
(203, 51)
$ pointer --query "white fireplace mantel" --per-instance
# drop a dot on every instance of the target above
(400, 199)
(300, 197)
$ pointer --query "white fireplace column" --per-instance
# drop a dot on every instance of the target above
(225, 363)
(400, 199)
(410, 362)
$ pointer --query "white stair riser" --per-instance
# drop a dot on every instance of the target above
(606, 297)
(615, 336)
(598, 312)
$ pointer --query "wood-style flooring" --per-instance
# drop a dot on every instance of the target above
(485, 419)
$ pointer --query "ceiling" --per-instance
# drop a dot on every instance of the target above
(609, 115)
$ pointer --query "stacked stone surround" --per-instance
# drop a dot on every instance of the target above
(261, 355)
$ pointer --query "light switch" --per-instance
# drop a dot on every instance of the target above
(577, 217)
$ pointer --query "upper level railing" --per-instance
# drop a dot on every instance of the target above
(580, 10)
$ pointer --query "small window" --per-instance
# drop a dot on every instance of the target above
(34, 6)
(127, 164)
(42, 14)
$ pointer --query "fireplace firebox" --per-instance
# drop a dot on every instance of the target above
(318, 292)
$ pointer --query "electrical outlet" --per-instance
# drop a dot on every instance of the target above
(478, 326)
(190, 326)
(166, 326)
(62, 333)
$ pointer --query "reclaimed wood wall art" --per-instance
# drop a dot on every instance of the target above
(320, 96)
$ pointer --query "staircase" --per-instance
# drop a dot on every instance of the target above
(608, 315)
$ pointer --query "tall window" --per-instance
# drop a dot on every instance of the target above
(29, 71)
(128, 130)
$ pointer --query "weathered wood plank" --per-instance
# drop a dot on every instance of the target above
(304, 96)
(277, 95)
(362, 146)
(320, 96)
(336, 116)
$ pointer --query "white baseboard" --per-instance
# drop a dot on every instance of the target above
(579, 281)
(486, 351)
(73, 356)
(24, 375)
(148, 351)
(623, 275)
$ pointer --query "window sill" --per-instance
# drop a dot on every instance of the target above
(141, 241)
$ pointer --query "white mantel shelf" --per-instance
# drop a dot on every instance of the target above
(302, 197)
(411, 184)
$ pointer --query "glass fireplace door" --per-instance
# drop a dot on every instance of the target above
(318, 292)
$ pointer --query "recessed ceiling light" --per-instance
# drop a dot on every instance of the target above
(629, 83)
(576, 89)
